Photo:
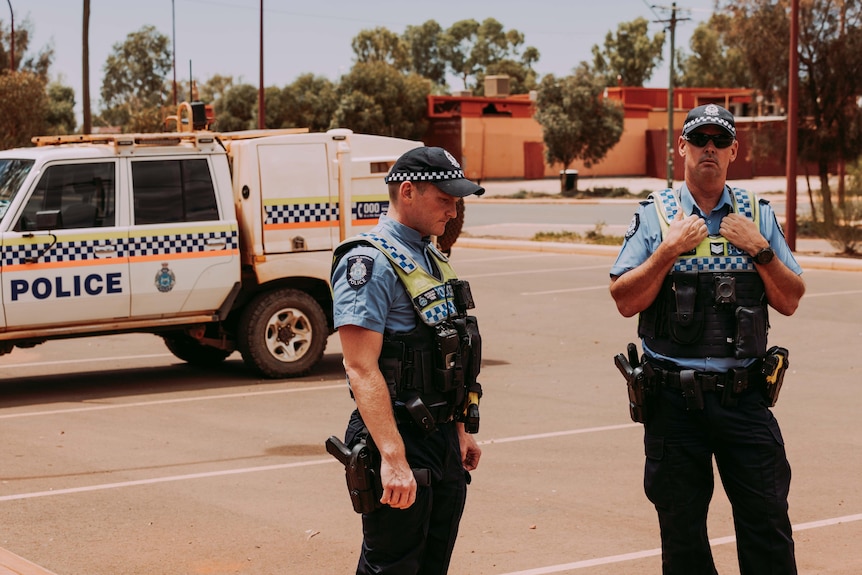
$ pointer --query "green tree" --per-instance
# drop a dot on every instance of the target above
(38, 63)
(376, 98)
(830, 74)
(23, 107)
(134, 86)
(381, 45)
(214, 89)
(237, 109)
(576, 121)
(309, 102)
(522, 77)
(423, 44)
(629, 56)
(716, 60)
(60, 116)
(471, 49)
(25, 113)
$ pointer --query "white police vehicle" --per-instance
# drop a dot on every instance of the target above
(215, 242)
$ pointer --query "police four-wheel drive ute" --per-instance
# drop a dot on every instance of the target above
(213, 241)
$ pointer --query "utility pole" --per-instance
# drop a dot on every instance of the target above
(11, 38)
(792, 127)
(174, 48)
(85, 70)
(261, 105)
(670, 139)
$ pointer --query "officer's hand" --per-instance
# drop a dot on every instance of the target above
(743, 233)
(470, 450)
(685, 232)
(399, 485)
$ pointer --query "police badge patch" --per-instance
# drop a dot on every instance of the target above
(359, 270)
(165, 279)
(633, 226)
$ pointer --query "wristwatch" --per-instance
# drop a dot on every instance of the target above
(764, 256)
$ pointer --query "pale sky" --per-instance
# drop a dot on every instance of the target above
(223, 36)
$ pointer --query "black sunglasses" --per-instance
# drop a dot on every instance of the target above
(700, 139)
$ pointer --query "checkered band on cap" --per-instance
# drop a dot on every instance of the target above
(709, 114)
(425, 176)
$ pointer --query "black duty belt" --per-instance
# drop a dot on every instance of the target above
(439, 414)
(706, 381)
(693, 384)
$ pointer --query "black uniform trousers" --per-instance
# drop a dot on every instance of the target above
(417, 540)
(749, 453)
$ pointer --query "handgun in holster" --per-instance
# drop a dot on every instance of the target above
(362, 472)
(638, 376)
(775, 365)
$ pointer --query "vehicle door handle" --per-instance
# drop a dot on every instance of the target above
(105, 251)
(216, 243)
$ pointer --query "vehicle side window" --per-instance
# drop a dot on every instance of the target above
(167, 191)
(80, 196)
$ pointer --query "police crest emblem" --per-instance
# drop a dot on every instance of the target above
(359, 269)
(165, 279)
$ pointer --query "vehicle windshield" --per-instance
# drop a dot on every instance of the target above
(12, 174)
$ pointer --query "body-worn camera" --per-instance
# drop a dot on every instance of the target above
(462, 297)
(725, 289)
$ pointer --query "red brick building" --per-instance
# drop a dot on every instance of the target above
(496, 136)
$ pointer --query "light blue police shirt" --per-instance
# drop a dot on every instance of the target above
(367, 292)
(644, 236)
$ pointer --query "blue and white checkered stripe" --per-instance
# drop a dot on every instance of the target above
(403, 261)
(667, 198)
(725, 263)
(84, 250)
(178, 243)
(439, 312)
(425, 176)
(715, 264)
(71, 251)
(301, 213)
(743, 203)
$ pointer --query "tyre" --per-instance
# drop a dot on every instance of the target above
(192, 351)
(282, 333)
(447, 239)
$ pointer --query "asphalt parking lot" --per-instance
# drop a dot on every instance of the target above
(119, 459)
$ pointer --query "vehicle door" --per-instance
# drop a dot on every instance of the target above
(183, 245)
(299, 210)
(64, 259)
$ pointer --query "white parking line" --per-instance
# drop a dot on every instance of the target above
(154, 480)
(608, 560)
(112, 359)
(829, 294)
(538, 271)
(207, 474)
(101, 407)
(567, 290)
(611, 559)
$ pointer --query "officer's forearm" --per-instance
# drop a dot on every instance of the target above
(375, 407)
(636, 289)
(783, 287)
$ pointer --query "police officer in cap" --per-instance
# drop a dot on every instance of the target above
(395, 308)
(700, 265)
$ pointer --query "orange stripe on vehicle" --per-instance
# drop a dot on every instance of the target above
(61, 265)
(300, 225)
(183, 256)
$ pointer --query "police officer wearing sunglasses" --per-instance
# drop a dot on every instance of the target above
(701, 265)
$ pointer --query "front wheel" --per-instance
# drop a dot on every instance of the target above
(282, 333)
